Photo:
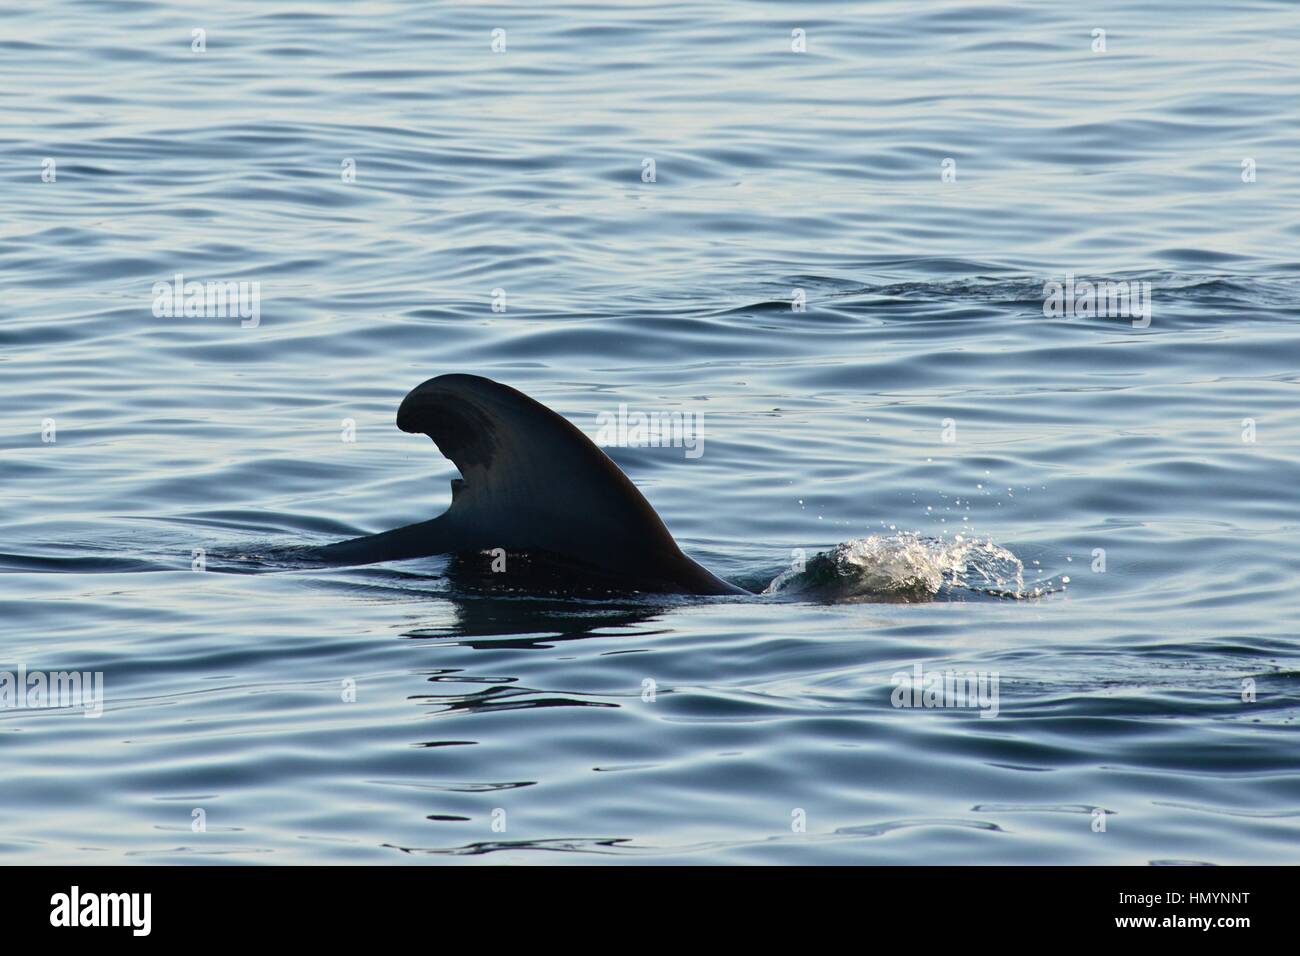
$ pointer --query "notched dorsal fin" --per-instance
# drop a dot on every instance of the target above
(530, 476)
(532, 481)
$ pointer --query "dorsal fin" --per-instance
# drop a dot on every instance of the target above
(531, 481)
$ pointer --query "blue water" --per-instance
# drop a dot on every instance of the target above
(1102, 515)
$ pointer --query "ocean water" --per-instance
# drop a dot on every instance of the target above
(835, 260)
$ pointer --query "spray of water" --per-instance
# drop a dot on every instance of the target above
(907, 567)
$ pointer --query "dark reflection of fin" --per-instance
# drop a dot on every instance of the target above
(533, 573)
(532, 622)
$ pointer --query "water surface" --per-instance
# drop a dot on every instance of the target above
(922, 412)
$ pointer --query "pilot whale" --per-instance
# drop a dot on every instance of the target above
(531, 484)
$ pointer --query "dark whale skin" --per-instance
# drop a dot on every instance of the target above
(531, 483)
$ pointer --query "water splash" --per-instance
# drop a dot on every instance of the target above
(907, 568)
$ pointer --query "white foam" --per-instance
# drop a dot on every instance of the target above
(907, 567)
